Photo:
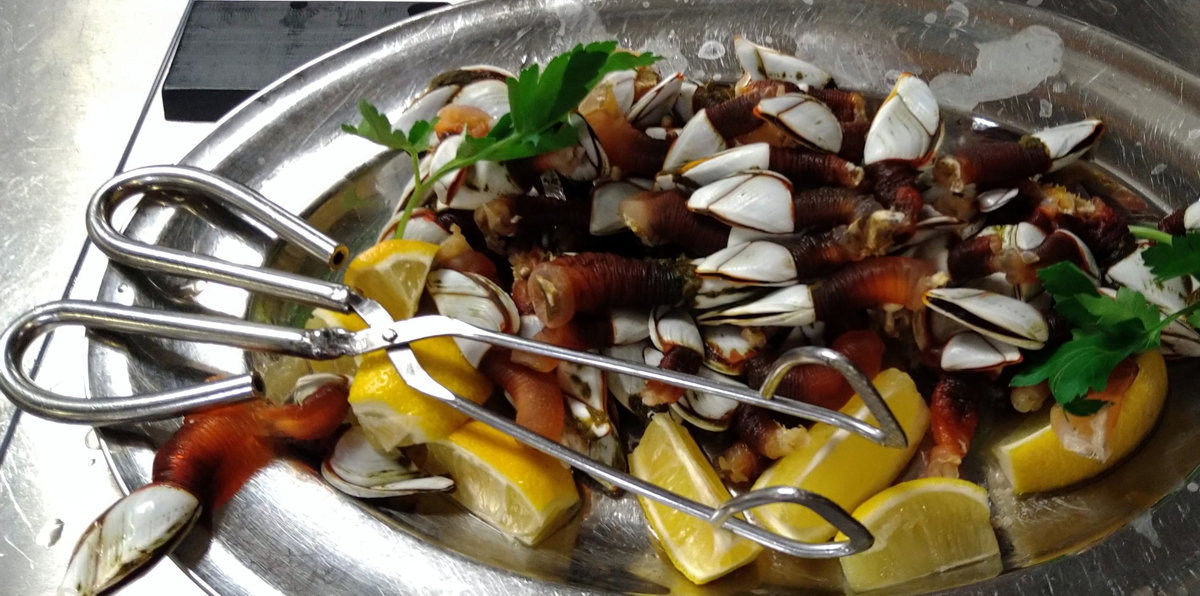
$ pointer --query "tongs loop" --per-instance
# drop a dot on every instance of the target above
(237, 197)
(394, 337)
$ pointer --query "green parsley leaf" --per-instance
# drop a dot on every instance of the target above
(1180, 257)
(1084, 407)
(1127, 306)
(1107, 330)
(540, 102)
(377, 128)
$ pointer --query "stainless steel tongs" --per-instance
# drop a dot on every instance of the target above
(382, 334)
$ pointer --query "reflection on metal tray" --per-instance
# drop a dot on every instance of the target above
(286, 532)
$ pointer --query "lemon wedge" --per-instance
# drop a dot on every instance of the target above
(841, 466)
(669, 458)
(327, 319)
(392, 273)
(518, 490)
(396, 415)
(934, 529)
(1034, 460)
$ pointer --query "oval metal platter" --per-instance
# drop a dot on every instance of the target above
(1133, 532)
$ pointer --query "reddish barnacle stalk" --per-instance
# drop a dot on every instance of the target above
(457, 119)
(894, 188)
(987, 165)
(1173, 222)
(765, 435)
(805, 167)
(828, 207)
(536, 395)
(848, 106)
(854, 140)
(740, 464)
(984, 255)
(456, 254)
(821, 385)
(678, 359)
(1103, 229)
(819, 254)
(594, 281)
(663, 218)
(735, 117)
(872, 283)
(215, 452)
(953, 414)
(630, 150)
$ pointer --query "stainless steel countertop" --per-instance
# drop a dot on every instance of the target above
(74, 78)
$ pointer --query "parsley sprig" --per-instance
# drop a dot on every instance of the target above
(540, 102)
(1106, 331)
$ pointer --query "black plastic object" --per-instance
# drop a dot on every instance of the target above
(230, 50)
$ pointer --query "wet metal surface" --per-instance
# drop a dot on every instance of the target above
(75, 78)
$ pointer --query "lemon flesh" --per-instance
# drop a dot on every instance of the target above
(518, 490)
(844, 467)
(393, 274)
(395, 415)
(669, 458)
(934, 529)
(1034, 460)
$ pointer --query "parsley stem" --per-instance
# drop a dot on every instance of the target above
(1148, 233)
(1183, 313)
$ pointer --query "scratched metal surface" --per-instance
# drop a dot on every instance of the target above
(51, 473)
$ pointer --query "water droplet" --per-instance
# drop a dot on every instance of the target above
(891, 77)
(1103, 7)
(1194, 134)
(957, 14)
(1158, 169)
(931, 18)
(808, 2)
(645, 5)
(768, 39)
(50, 533)
(1033, 2)
(1058, 87)
(1193, 487)
(711, 50)
(953, 35)
(91, 461)
(717, 76)
(1045, 108)
(91, 440)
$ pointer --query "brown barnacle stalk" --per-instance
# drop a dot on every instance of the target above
(765, 435)
(594, 281)
(873, 283)
(817, 255)
(680, 359)
(816, 384)
(827, 207)
(988, 165)
(662, 218)
(985, 254)
(848, 106)
(1173, 222)
(529, 220)
(805, 167)
(629, 150)
(894, 184)
(585, 331)
(740, 464)
(735, 117)
(953, 412)
(854, 141)
(1103, 229)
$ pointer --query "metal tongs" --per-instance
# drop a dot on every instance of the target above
(382, 334)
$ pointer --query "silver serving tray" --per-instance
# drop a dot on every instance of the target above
(287, 533)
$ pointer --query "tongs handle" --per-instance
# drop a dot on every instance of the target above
(858, 538)
(138, 408)
(888, 433)
(289, 227)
